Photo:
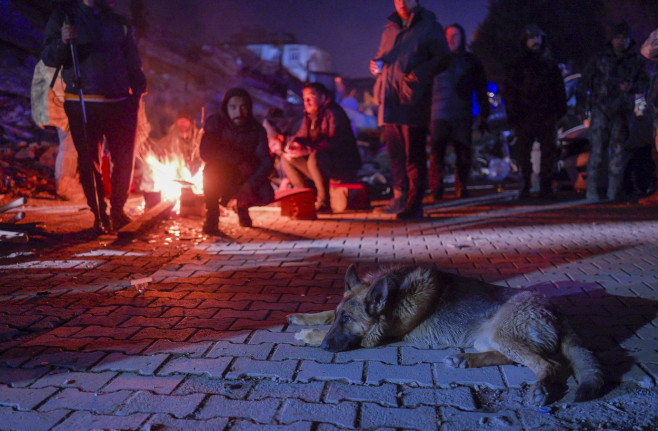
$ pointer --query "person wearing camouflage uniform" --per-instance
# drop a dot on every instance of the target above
(611, 80)
(650, 51)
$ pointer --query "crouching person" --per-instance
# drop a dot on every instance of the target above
(238, 163)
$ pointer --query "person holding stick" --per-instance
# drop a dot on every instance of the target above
(100, 64)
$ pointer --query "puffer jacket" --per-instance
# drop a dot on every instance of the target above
(412, 56)
(606, 71)
(109, 61)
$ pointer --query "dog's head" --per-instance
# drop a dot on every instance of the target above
(359, 320)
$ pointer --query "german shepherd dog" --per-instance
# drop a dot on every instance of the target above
(424, 304)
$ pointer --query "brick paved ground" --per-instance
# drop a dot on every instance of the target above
(207, 346)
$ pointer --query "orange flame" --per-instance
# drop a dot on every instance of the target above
(168, 176)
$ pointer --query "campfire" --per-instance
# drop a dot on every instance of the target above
(172, 179)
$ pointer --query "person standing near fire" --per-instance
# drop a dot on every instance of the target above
(237, 160)
(112, 83)
(412, 50)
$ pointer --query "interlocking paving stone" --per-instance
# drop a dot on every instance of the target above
(136, 363)
(90, 421)
(341, 414)
(32, 420)
(311, 370)
(248, 367)
(96, 402)
(169, 423)
(419, 418)
(420, 374)
(260, 411)
(214, 367)
(24, 398)
(88, 382)
(177, 406)
(385, 394)
(459, 397)
(309, 392)
(157, 384)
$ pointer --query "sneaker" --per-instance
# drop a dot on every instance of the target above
(322, 208)
(243, 217)
(119, 220)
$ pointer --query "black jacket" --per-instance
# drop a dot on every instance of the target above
(412, 56)
(235, 154)
(109, 62)
(533, 90)
(452, 93)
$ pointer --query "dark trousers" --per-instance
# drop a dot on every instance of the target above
(546, 135)
(408, 158)
(608, 135)
(221, 184)
(316, 166)
(117, 123)
(459, 133)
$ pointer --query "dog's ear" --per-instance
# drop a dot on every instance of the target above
(377, 297)
(351, 278)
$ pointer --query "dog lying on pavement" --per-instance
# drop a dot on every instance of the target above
(424, 304)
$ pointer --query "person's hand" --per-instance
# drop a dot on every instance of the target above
(373, 68)
(625, 86)
(69, 33)
(275, 146)
(295, 149)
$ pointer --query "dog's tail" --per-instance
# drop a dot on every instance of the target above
(586, 367)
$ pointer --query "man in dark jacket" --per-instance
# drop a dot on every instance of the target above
(323, 148)
(112, 82)
(452, 112)
(535, 99)
(238, 162)
(611, 80)
(412, 51)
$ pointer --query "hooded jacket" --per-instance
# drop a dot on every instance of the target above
(109, 61)
(533, 89)
(606, 71)
(412, 56)
(332, 132)
(235, 153)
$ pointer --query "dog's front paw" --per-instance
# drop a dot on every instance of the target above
(311, 336)
(457, 361)
(539, 395)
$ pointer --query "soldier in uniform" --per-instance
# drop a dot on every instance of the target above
(611, 79)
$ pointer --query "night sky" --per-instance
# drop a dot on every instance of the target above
(348, 29)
